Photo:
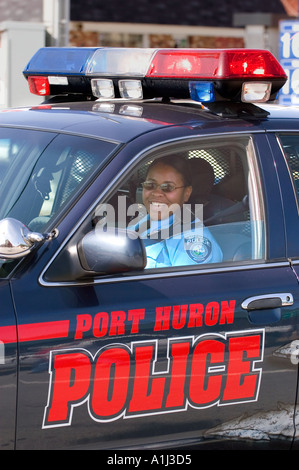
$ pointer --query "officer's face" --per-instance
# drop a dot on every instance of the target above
(158, 203)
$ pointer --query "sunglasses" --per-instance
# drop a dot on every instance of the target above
(165, 187)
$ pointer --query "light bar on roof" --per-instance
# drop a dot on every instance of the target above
(132, 73)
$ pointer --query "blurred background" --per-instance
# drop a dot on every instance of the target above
(27, 25)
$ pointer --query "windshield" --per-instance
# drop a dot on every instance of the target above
(41, 172)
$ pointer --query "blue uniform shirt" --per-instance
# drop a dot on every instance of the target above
(193, 246)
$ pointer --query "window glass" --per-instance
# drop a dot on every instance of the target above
(41, 172)
(193, 205)
(290, 144)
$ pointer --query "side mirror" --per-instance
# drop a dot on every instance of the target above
(16, 240)
(112, 251)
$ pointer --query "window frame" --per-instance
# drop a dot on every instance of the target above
(280, 135)
(155, 151)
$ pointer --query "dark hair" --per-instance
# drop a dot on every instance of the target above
(179, 163)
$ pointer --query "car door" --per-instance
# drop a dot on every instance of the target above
(285, 148)
(185, 355)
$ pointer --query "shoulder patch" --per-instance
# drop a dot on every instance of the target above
(197, 248)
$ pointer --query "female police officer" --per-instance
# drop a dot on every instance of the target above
(172, 237)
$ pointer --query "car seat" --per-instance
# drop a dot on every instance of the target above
(203, 179)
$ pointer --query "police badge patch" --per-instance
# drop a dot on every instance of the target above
(197, 248)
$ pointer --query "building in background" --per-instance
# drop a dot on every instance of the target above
(155, 23)
(196, 23)
(142, 23)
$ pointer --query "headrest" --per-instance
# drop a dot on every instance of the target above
(202, 178)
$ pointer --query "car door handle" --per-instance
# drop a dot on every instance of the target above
(268, 301)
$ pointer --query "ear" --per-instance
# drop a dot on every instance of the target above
(187, 193)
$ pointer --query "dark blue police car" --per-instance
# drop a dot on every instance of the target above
(144, 305)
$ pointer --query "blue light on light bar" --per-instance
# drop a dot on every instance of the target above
(202, 92)
(60, 60)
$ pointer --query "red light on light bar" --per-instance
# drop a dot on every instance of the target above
(184, 63)
(254, 63)
(214, 64)
(39, 85)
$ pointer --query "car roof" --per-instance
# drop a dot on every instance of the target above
(123, 121)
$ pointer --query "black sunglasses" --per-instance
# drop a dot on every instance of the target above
(165, 187)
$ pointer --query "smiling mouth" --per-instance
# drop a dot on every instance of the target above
(159, 205)
(158, 208)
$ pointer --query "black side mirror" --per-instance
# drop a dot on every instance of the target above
(98, 253)
(112, 251)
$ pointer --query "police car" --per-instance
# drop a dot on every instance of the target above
(142, 308)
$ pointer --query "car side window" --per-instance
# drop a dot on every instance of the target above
(41, 173)
(290, 145)
(34, 190)
(192, 206)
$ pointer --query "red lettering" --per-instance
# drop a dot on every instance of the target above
(148, 391)
(176, 395)
(179, 316)
(123, 380)
(100, 324)
(111, 379)
(212, 314)
(195, 316)
(162, 318)
(134, 316)
(84, 323)
(205, 386)
(227, 312)
(104, 324)
(71, 374)
(241, 380)
(118, 319)
(117, 322)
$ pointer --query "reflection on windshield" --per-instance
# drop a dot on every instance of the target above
(41, 172)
